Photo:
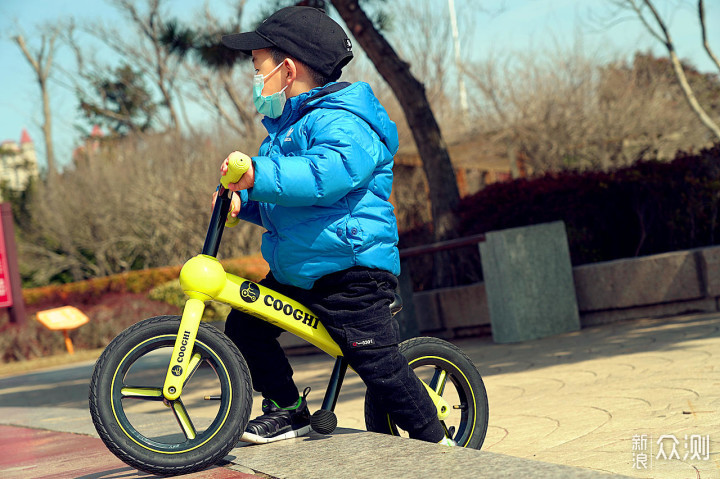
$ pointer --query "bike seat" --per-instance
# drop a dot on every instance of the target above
(396, 305)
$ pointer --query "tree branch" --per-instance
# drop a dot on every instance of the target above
(701, 15)
(21, 43)
(42, 67)
(666, 33)
(638, 11)
(680, 74)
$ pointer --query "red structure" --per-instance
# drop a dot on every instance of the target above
(25, 137)
(10, 286)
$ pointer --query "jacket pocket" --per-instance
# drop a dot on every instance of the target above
(376, 333)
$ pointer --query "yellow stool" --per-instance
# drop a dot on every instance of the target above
(63, 319)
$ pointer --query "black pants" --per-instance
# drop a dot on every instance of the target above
(353, 305)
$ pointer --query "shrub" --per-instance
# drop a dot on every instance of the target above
(153, 211)
(112, 303)
(108, 315)
(85, 292)
(648, 208)
(172, 294)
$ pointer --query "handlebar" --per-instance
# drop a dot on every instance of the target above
(238, 164)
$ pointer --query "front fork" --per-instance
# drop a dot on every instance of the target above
(443, 407)
(201, 278)
(180, 361)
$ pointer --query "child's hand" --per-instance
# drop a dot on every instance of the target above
(246, 181)
(235, 205)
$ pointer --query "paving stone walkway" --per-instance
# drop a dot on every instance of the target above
(616, 398)
(637, 398)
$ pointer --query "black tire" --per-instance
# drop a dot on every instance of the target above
(431, 359)
(146, 432)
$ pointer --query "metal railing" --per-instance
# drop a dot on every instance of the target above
(441, 246)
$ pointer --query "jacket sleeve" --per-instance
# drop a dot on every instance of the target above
(249, 210)
(342, 154)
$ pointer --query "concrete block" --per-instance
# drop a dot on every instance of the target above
(709, 263)
(406, 318)
(427, 312)
(597, 318)
(647, 280)
(529, 282)
(464, 306)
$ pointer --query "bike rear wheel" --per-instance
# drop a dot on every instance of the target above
(169, 437)
(450, 373)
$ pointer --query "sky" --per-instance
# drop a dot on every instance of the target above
(519, 26)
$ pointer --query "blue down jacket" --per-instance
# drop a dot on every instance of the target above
(323, 178)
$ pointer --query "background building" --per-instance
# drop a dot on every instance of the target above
(18, 163)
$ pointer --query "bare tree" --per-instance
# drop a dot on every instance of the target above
(443, 189)
(411, 94)
(42, 63)
(217, 91)
(424, 35)
(152, 210)
(568, 111)
(648, 14)
(144, 49)
(703, 29)
(214, 74)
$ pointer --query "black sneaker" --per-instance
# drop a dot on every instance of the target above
(278, 423)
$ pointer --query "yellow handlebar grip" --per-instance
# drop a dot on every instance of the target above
(238, 164)
(230, 221)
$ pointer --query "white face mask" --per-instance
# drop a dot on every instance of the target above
(271, 105)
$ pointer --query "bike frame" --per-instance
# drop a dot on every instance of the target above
(203, 278)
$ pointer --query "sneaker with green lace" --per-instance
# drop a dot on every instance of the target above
(277, 423)
(446, 441)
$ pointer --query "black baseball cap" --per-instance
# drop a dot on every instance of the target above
(305, 33)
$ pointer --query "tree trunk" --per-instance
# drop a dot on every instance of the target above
(42, 64)
(47, 130)
(410, 93)
(444, 195)
(162, 83)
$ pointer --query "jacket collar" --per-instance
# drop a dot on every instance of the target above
(297, 105)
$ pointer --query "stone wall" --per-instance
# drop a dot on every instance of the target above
(648, 286)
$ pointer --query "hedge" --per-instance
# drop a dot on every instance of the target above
(142, 281)
(113, 303)
(647, 208)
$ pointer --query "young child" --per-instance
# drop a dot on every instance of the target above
(320, 186)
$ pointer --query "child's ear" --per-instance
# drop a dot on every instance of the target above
(291, 67)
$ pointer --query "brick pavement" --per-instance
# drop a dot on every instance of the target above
(596, 399)
(579, 399)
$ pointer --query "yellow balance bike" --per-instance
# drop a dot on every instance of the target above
(196, 414)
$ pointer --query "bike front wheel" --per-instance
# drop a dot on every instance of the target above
(447, 370)
(165, 437)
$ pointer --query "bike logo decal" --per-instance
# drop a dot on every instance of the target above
(183, 346)
(177, 370)
(287, 309)
(249, 292)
